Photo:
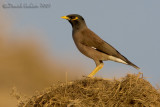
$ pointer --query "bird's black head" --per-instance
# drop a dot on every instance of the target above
(76, 21)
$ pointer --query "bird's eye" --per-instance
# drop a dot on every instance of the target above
(72, 17)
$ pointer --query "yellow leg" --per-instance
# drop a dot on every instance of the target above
(96, 70)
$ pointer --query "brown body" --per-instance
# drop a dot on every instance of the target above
(95, 48)
(88, 48)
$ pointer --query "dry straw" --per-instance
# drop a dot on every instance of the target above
(131, 91)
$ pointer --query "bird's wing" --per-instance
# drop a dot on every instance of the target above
(92, 40)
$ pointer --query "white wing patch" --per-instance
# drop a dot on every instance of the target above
(93, 48)
(113, 58)
(116, 59)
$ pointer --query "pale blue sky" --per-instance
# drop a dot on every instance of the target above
(131, 26)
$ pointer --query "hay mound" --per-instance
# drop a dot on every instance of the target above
(130, 91)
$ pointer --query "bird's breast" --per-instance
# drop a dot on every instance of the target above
(77, 37)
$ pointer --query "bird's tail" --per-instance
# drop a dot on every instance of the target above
(133, 65)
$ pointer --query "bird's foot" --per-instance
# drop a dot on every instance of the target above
(89, 77)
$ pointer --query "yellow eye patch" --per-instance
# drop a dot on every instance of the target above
(75, 18)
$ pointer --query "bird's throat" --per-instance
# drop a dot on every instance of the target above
(76, 25)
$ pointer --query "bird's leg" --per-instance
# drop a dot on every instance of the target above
(96, 70)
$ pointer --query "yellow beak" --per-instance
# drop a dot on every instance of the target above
(65, 17)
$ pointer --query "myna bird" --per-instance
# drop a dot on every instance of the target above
(92, 45)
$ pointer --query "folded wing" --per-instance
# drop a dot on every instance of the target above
(92, 40)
